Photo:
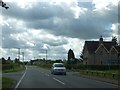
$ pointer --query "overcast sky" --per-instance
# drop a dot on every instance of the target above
(35, 26)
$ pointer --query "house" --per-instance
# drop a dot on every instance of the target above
(101, 52)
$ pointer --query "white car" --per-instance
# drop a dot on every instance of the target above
(58, 68)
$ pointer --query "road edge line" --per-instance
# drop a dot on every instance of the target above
(20, 80)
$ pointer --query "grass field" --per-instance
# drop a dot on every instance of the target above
(7, 83)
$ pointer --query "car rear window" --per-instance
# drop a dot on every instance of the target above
(59, 65)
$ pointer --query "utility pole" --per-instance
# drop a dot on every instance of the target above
(19, 54)
(23, 56)
(46, 54)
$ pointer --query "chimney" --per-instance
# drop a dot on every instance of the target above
(101, 39)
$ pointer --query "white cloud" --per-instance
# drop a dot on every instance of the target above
(114, 27)
(78, 11)
(76, 45)
(104, 4)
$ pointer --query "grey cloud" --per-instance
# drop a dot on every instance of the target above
(90, 25)
(7, 30)
(10, 43)
(55, 43)
(39, 11)
(42, 16)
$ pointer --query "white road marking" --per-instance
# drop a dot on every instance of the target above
(20, 80)
(59, 81)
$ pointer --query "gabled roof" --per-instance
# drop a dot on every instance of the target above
(101, 45)
(93, 45)
(108, 45)
(113, 47)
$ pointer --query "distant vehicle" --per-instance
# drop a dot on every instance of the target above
(58, 68)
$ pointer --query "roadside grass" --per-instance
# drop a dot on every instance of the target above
(73, 70)
(15, 68)
(7, 83)
(109, 74)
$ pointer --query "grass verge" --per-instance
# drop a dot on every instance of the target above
(15, 69)
(101, 73)
(7, 83)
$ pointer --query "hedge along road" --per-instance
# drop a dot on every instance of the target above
(35, 77)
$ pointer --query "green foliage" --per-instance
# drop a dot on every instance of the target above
(12, 67)
(17, 60)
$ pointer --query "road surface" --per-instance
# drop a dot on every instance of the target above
(35, 77)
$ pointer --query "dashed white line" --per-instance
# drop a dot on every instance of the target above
(20, 80)
(59, 81)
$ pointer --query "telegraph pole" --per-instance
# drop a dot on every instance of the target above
(19, 54)
(46, 54)
(23, 56)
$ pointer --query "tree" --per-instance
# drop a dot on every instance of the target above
(3, 60)
(114, 39)
(16, 60)
(71, 59)
(71, 55)
(81, 56)
(9, 59)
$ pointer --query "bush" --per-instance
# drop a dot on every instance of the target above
(92, 67)
(9, 66)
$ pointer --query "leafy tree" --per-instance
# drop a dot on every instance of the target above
(81, 56)
(71, 59)
(114, 39)
(16, 60)
(3, 60)
(9, 59)
(71, 55)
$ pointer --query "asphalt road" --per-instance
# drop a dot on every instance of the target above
(35, 77)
